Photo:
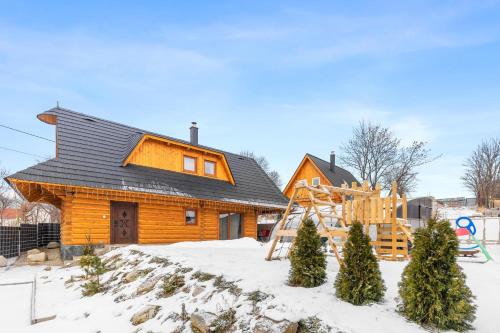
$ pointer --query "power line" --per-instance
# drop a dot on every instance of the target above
(22, 152)
(16, 130)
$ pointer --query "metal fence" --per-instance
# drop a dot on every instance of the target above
(9, 241)
(457, 202)
(14, 240)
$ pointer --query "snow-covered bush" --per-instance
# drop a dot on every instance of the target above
(171, 284)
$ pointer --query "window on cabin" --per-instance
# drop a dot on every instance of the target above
(191, 216)
(209, 168)
(303, 181)
(315, 181)
(189, 164)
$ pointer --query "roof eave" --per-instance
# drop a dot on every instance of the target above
(146, 191)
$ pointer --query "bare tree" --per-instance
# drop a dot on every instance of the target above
(482, 171)
(404, 171)
(37, 212)
(6, 196)
(264, 164)
(275, 177)
(377, 156)
(371, 151)
(53, 213)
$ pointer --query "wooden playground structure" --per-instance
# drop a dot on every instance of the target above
(334, 209)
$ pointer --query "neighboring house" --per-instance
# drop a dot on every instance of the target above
(315, 171)
(118, 185)
(29, 214)
(11, 217)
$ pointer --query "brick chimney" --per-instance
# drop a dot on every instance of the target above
(332, 161)
(193, 131)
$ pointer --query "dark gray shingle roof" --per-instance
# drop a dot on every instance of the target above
(338, 177)
(91, 152)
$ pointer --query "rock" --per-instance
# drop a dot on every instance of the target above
(198, 290)
(117, 264)
(102, 251)
(201, 321)
(145, 314)
(291, 328)
(267, 325)
(148, 285)
(48, 268)
(33, 251)
(131, 276)
(37, 258)
(3, 261)
(53, 245)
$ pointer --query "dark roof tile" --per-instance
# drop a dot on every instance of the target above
(91, 151)
(337, 178)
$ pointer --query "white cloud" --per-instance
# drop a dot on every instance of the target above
(413, 128)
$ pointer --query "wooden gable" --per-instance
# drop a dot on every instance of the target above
(157, 152)
(306, 170)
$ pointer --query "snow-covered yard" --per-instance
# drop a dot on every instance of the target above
(241, 261)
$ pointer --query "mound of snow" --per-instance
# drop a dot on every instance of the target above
(215, 277)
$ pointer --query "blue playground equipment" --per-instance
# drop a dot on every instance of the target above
(470, 230)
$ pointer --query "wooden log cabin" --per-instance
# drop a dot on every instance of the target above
(315, 171)
(118, 185)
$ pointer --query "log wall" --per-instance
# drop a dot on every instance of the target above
(157, 222)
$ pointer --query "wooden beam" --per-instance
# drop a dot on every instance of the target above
(304, 218)
(325, 227)
(281, 223)
(394, 212)
(333, 216)
(348, 191)
(323, 203)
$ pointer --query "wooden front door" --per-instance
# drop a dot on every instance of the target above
(123, 222)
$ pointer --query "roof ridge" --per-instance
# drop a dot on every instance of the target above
(336, 165)
(143, 131)
(319, 158)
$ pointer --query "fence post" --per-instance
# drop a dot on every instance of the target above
(498, 241)
(19, 240)
(484, 231)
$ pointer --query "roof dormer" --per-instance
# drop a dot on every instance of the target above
(162, 153)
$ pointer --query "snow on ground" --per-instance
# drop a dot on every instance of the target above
(241, 261)
(452, 213)
(15, 303)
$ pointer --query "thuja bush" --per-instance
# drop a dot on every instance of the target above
(433, 290)
(308, 262)
(359, 280)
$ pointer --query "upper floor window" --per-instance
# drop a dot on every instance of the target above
(315, 181)
(189, 163)
(209, 168)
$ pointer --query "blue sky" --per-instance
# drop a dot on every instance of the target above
(278, 78)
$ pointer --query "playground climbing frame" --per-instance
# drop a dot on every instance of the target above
(343, 206)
